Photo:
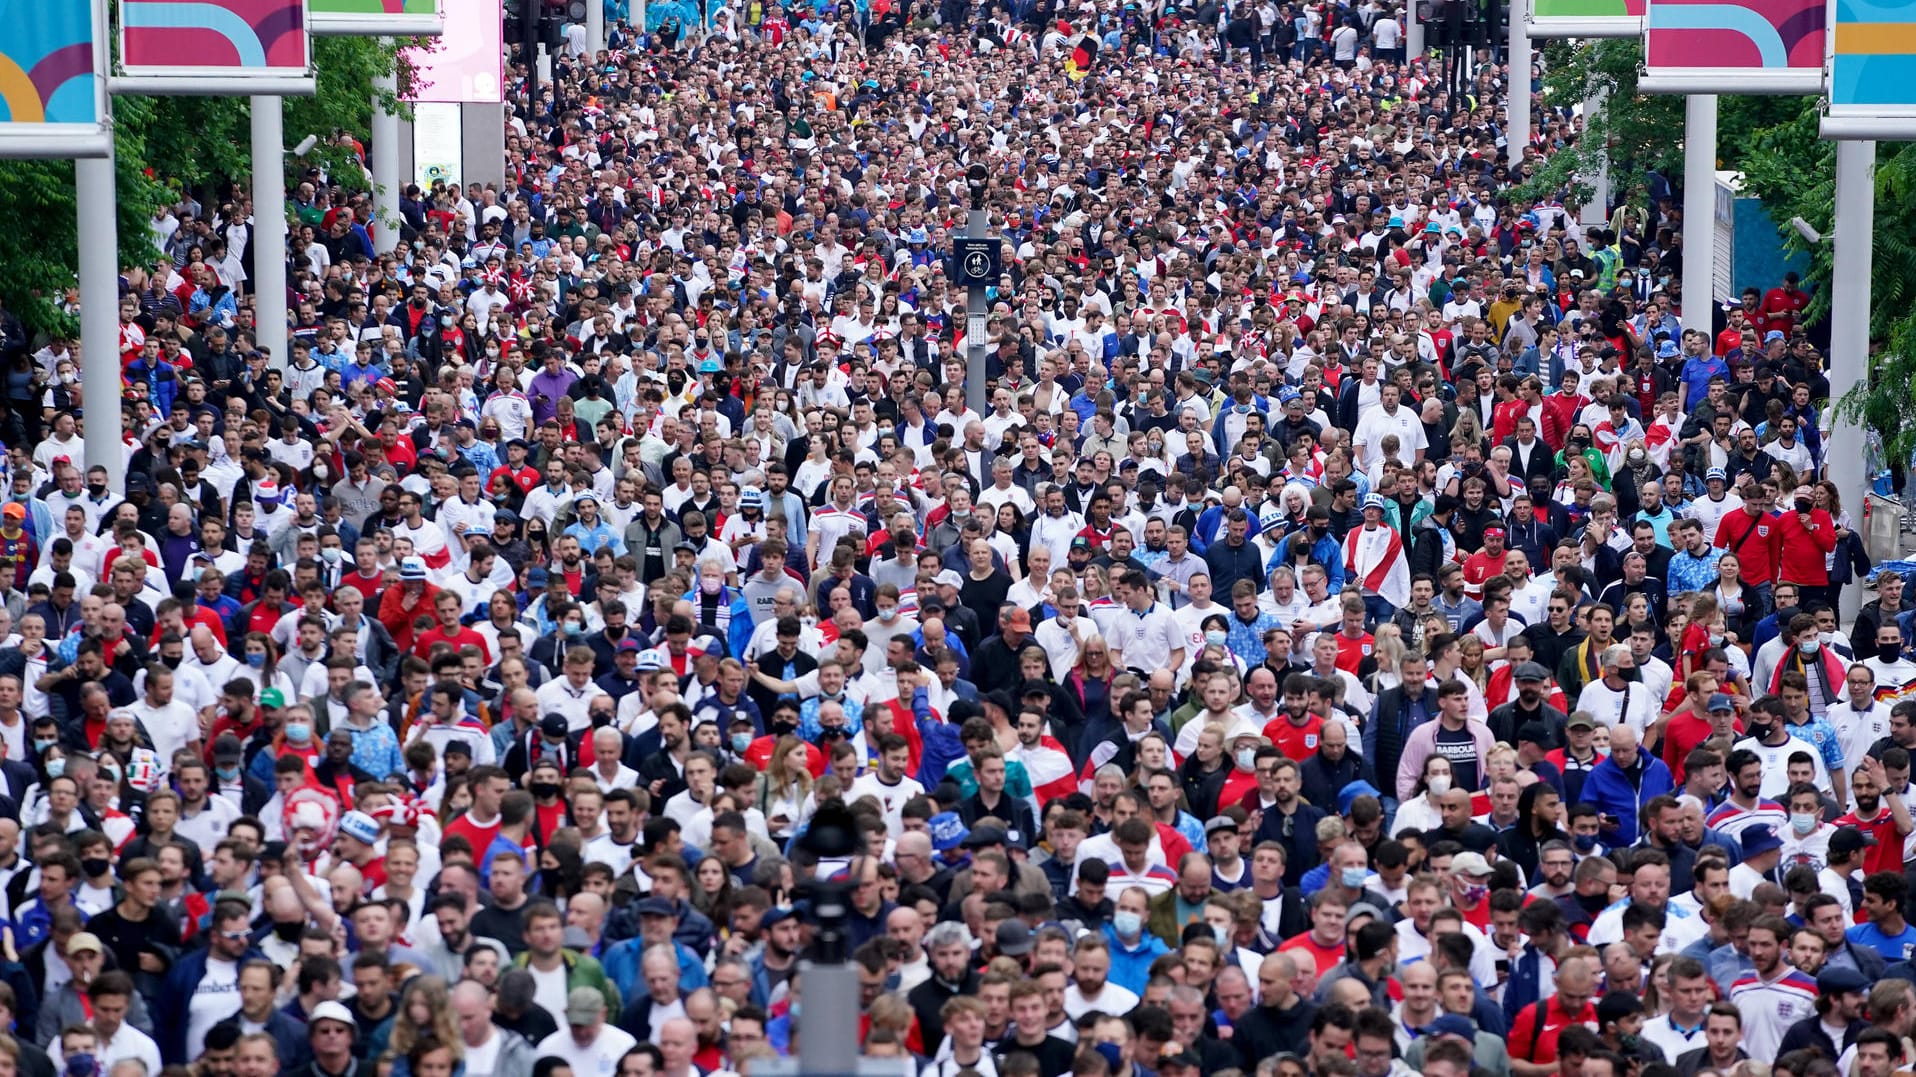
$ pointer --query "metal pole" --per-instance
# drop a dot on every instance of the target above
(1413, 33)
(269, 229)
(594, 28)
(1699, 211)
(529, 38)
(1517, 128)
(831, 1007)
(976, 227)
(1849, 323)
(1596, 211)
(385, 164)
(99, 238)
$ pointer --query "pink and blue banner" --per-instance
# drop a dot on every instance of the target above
(1735, 46)
(214, 47)
(53, 79)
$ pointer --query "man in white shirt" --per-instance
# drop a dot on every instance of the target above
(172, 725)
(485, 1043)
(1152, 637)
(572, 694)
(1386, 419)
(588, 1045)
(888, 784)
(1860, 719)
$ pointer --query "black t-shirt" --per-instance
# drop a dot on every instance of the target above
(1054, 1055)
(984, 597)
(1460, 747)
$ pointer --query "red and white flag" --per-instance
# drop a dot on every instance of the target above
(1049, 767)
(1376, 559)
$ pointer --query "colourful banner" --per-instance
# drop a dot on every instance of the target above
(52, 84)
(467, 64)
(232, 45)
(1873, 55)
(1587, 18)
(394, 18)
(1735, 46)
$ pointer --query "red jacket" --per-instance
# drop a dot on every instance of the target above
(1559, 415)
(1800, 548)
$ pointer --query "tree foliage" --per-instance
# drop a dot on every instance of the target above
(1632, 134)
(1774, 143)
(165, 146)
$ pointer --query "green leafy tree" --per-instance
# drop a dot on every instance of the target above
(165, 146)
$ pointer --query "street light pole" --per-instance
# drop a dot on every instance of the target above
(977, 226)
(1854, 255)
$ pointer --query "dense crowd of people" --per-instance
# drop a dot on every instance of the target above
(1365, 633)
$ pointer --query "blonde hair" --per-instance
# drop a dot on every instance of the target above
(443, 1028)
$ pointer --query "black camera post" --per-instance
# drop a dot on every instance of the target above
(827, 1022)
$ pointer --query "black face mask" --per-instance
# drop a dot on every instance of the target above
(96, 866)
(546, 790)
(289, 932)
(1889, 652)
(172, 662)
(549, 880)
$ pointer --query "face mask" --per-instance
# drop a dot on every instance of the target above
(1803, 822)
(256, 659)
(1889, 652)
(1247, 758)
(82, 1065)
(546, 790)
(741, 741)
(1474, 894)
(1808, 647)
(298, 732)
(1759, 731)
(1215, 638)
(97, 489)
(332, 554)
(1716, 639)
(710, 585)
(1439, 785)
(56, 767)
(1127, 924)
(289, 932)
(40, 746)
(1353, 878)
(1585, 842)
(574, 628)
(888, 613)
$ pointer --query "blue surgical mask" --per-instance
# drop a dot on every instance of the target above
(227, 774)
(256, 659)
(56, 767)
(1353, 878)
(741, 741)
(298, 732)
(574, 628)
(1127, 924)
(40, 746)
(1214, 638)
(1585, 842)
